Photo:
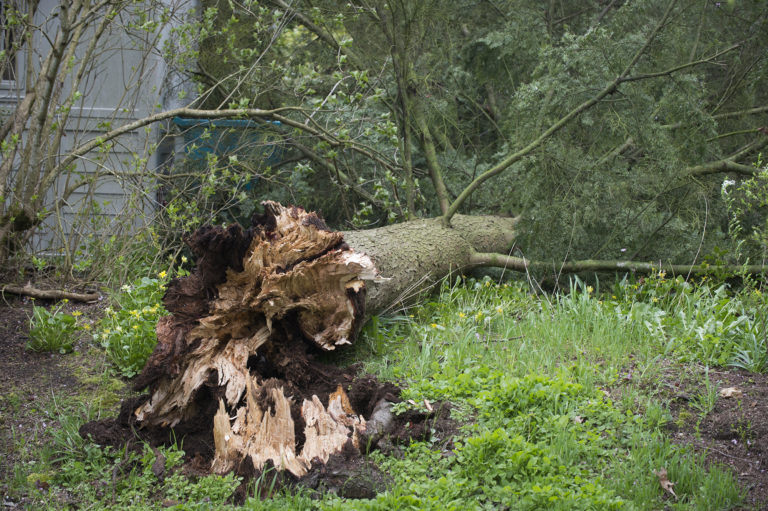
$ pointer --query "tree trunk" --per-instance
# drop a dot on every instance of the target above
(245, 326)
(413, 255)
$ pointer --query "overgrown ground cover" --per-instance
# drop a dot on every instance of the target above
(600, 398)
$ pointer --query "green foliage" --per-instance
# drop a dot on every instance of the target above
(531, 379)
(705, 402)
(536, 440)
(488, 79)
(747, 203)
(52, 330)
(708, 323)
(129, 480)
(544, 442)
(127, 332)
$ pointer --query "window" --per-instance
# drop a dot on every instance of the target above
(8, 43)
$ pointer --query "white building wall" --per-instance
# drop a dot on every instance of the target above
(129, 80)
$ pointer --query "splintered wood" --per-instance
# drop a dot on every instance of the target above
(298, 278)
(269, 434)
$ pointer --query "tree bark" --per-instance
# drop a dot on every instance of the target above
(412, 256)
(49, 294)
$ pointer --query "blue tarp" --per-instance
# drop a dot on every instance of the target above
(225, 137)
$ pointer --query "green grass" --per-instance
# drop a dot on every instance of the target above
(51, 330)
(551, 417)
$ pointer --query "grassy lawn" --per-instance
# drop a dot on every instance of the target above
(560, 402)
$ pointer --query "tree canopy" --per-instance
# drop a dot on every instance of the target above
(613, 129)
(609, 126)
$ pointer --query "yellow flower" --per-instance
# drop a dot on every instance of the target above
(757, 292)
(183, 259)
(462, 315)
(162, 274)
(662, 274)
(487, 283)
(613, 297)
(590, 289)
(655, 299)
(499, 310)
(433, 325)
(135, 327)
(65, 300)
(77, 313)
(86, 327)
(479, 315)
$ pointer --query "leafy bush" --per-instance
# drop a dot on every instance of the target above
(127, 332)
(704, 322)
(747, 204)
(51, 330)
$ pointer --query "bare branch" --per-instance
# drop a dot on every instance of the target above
(726, 115)
(522, 264)
(675, 69)
(719, 166)
(49, 294)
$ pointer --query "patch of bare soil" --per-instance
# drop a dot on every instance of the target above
(33, 385)
(735, 432)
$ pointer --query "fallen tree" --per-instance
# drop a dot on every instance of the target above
(236, 357)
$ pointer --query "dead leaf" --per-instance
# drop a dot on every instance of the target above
(578, 419)
(665, 483)
(730, 392)
(411, 401)
(429, 406)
